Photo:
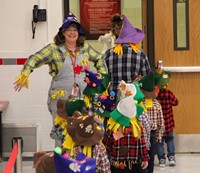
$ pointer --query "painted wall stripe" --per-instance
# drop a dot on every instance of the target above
(12, 61)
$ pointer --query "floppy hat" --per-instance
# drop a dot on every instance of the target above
(103, 104)
(129, 34)
(71, 18)
(84, 131)
(81, 164)
(164, 80)
(147, 85)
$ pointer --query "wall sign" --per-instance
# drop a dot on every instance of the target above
(95, 16)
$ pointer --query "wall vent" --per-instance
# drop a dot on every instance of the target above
(29, 134)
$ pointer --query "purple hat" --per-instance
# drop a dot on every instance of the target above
(81, 164)
(71, 18)
(129, 34)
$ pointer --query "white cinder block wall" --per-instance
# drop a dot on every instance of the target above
(29, 105)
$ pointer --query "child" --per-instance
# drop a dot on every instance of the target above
(85, 136)
(154, 111)
(124, 138)
(133, 89)
(167, 99)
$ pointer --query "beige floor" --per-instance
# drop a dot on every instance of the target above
(186, 163)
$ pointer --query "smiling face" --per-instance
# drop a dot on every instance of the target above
(71, 34)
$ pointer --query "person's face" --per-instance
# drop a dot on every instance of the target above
(71, 34)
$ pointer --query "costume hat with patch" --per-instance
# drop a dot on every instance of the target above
(126, 109)
(164, 80)
(103, 104)
(69, 19)
(129, 34)
(84, 131)
(96, 83)
(81, 164)
(147, 84)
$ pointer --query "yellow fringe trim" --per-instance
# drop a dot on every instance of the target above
(87, 100)
(113, 125)
(136, 126)
(62, 122)
(149, 102)
(69, 144)
(60, 93)
(141, 104)
(22, 80)
(118, 49)
(135, 46)
(87, 150)
(84, 62)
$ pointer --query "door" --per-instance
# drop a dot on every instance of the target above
(185, 85)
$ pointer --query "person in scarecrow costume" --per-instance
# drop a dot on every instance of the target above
(167, 99)
(133, 89)
(155, 114)
(84, 136)
(126, 61)
(124, 138)
(66, 58)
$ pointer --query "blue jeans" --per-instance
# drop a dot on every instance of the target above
(169, 140)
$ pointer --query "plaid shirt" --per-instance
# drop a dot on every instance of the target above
(126, 148)
(126, 66)
(100, 156)
(167, 99)
(147, 124)
(156, 116)
(52, 55)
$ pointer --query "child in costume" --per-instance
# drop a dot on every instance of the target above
(66, 108)
(167, 99)
(124, 138)
(84, 136)
(133, 89)
(154, 111)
